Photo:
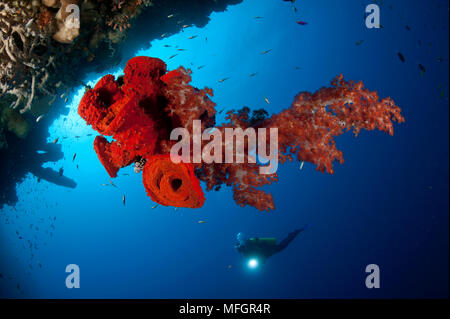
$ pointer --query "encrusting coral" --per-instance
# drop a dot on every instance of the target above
(37, 43)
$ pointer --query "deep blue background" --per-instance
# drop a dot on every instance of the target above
(387, 204)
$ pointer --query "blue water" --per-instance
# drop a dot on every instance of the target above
(387, 204)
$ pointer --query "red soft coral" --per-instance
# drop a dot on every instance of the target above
(141, 112)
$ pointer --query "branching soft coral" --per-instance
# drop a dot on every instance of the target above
(141, 109)
(307, 130)
(308, 127)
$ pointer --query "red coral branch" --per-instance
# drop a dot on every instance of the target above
(309, 126)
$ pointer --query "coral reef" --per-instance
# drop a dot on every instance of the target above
(30, 59)
(141, 108)
(37, 72)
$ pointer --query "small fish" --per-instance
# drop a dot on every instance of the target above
(171, 15)
(74, 156)
(66, 100)
(301, 22)
(185, 26)
(201, 67)
(301, 165)
(62, 95)
(422, 68)
(181, 49)
(267, 100)
(126, 174)
(29, 23)
(257, 17)
(105, 184)
(359, 42)
(297, 68)
(440, 59)
(176, 208)
(401, 57)
(77, 136)
(90, 134)
(229, 266)
(78, 167)
(223, 80)
(172, 56)
(40, 117)
(252, 74)
(265, 52)
(55, 140)
(407, 27)
(111, 182)
(163, 35)
(61, 171)
(220, 111)
(167, 45)
(123, 200)
(155, 206)
(201, 222)
(192, 37)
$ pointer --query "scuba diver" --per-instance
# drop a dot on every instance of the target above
(257, 249)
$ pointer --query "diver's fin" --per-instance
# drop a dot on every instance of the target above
(304, 227)
(290, 237)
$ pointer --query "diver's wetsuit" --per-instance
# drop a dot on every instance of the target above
(263, 248)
